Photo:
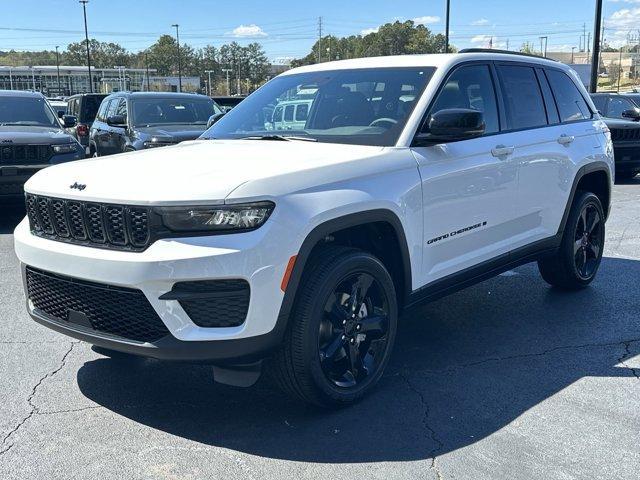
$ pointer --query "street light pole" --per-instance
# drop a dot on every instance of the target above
(209, 72)
(176, 26)
(146, 61)
(573, 49)
(58, 67)
(544, 52)
(446, 29)
(86, 37)
(227, 71)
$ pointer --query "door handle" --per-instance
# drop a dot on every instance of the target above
(565, 139)
(502, 151)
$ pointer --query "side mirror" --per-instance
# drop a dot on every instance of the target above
(632, 114)
(214, 119)
(69, 121)
(117, 121)
(452, 125)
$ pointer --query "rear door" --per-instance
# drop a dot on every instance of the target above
(99, 130)
(551, 132)
(468, 187)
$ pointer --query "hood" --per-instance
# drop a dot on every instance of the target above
(175, 133)
(620, 123)
(21, 135)
(203, 171)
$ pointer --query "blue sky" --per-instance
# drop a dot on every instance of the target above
(288, 28)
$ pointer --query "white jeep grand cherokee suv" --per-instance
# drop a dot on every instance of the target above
(405, 179)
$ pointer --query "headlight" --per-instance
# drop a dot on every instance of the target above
(154, 144)
(65, 148)
(223, 218)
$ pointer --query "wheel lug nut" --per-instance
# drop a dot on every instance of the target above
(344, 322)
(358, 327)
(353, 316)
(353, 340)
(344, 337)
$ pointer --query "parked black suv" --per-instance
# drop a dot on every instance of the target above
(84, 107)
(132, 121)
(31, 138)
(622, 116)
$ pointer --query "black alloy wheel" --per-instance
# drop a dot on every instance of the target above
(353, 332)
(588, 241)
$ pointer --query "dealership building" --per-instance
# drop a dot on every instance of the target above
(69, 80)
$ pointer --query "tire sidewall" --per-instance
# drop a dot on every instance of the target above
(356, 262)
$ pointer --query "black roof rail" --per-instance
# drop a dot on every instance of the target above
(508, 52)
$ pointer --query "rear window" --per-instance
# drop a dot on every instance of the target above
(522, 97)
(571, 103)
(90, 105)
(162, 111)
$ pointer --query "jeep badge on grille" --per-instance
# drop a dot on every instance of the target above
(77, 186)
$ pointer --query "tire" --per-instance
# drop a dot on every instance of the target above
(575, 264)
(314, 363)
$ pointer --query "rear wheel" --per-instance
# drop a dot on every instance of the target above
(576, 262)
(342, 329)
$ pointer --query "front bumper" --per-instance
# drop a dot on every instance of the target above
(627, 156)
(259, 257)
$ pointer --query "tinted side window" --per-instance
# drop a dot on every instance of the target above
(121, 109)
(471, 87)
(522, 97)
(571, 104)
(288, 113)
(617, 105)
(112, 107)
(302, 111)
(102, 112)
(600, 101)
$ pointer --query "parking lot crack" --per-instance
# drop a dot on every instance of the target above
(427, 426)
(628, 354)
(30, 400)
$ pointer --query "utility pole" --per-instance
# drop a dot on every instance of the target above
(176, 26)
(209, 72)
(544, 52)
(573, 49)
(446, 28)
(584, 36)
(319, 39)
(595, 62)
(507, 44)
(227, 71)
(86, 37)
(146, 61)
(58, 68)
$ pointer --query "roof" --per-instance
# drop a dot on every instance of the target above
(20, 93)
(438, 60)
(157, 95)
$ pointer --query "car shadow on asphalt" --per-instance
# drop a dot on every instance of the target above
(463, 368)
(12, 212)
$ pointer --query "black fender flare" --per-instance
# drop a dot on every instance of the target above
(323, 230)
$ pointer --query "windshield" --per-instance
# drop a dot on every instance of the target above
(28, 111)
(163, 111)
(362, 106)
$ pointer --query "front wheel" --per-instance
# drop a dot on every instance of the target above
(575, 264)
(341, 331)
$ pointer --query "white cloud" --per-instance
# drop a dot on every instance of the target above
(618, 25)
(426, 20)
(367, 31)
(248, 31)
(480, 21)
(483, 41)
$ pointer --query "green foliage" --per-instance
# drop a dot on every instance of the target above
(396, 38)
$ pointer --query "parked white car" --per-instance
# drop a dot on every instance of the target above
(296, 249)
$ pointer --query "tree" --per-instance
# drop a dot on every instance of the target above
(397, 38)
(103, 54)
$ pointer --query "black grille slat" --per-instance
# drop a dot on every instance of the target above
(24, 154)
(89, 223)
(118, 311)
(625, 134)
(59, 217)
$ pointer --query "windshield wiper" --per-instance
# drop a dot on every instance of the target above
(282, 138)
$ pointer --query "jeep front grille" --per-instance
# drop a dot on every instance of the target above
(625, 134)
(24, 154)
(89, 223)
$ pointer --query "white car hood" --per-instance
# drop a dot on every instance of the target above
(202, 171)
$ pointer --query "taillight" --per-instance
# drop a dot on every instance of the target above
(82, 130)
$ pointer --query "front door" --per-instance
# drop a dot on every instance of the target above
(469, 187)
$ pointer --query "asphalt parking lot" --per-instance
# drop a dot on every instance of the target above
(509, 379)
